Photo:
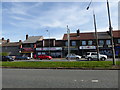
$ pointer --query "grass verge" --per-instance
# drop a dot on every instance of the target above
(74, 64)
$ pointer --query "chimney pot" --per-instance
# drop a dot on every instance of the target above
(8, 40)
(78, 31)
(26, 36)
(2, 39)
(20, 40)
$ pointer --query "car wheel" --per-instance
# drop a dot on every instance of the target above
(77, 58)
(102, 59)
(67, 58)
(40, 58)
(89, 59)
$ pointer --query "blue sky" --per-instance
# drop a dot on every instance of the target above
(34, 18)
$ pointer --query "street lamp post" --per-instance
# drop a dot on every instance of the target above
(49, 41)
(96, 34)
(68, 35)
(111, 34)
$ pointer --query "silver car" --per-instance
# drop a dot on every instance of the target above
(73, 56)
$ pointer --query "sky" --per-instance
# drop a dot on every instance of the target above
(35, 18)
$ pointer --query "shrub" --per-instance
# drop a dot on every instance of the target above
(4, 53)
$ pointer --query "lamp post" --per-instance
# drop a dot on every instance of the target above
(49, 40)
(68, 35)
(111, 34)
(96, 34)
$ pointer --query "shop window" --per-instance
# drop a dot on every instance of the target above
(108, 42)
(101, 42)
(90, 42)
(66, 43)
(118, 40)
(73, 43)
(83, 42)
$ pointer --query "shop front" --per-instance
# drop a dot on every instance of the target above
(27, 52)
(73, 49)
(117, 51)
(84, 49)
(55, 52)
(106, 50)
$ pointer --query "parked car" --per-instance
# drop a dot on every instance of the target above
(93, 55)
(74, 56)
(22, 58)
(7, 58)
(43, 56)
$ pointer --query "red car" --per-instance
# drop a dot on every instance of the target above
(42, 56)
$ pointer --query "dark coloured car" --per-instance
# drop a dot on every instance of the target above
(43, 56)
(22, 58)
(7, 58)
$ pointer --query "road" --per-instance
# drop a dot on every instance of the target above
(48, 78)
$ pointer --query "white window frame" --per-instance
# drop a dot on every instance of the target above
(100, 42)
(66, 43)
(90, 42)
(118, 40)
(108, 42)
(84, 43)
(73, 43)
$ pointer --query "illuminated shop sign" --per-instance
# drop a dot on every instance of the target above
(52, 49)
(28, 49)
(87, 47)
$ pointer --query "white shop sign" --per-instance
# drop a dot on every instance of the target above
(87, 47)
(47, 48)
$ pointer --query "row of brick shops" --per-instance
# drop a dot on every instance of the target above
(80, 43)
(59, 52)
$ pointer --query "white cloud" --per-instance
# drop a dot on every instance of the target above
(18, 18)
(32, 17)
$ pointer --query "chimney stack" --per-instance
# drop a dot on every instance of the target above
(8, 40)
(78, 31)
(2, 39)
(26, 36)
(20, 40)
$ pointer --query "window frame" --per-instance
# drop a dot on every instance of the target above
(85, 43)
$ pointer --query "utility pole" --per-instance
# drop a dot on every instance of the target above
(68, 37)
(111, 34)
(49, 41)
(96, 34)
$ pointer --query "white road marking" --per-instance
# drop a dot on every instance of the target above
(82, 80)
(75, 80)
(94, 81)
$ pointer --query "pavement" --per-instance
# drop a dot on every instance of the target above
(63, 59)
(44, 78)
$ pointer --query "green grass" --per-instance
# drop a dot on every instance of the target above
(80, 64)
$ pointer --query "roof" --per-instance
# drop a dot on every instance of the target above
(82, 36)
(116, 34)
(91, 35)
(33, 39)
(2, 41)
(11, 44)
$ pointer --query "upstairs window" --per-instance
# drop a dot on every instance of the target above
(73, 43)
(90, 42)
(108, 42)
(83, 42)
(66, 43)
(118, 40)
(101, 42)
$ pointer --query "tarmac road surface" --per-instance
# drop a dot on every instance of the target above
(49, 78)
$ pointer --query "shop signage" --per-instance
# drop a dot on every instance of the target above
(71, 48)
(28, 49)
(47, 48)
(87, 47)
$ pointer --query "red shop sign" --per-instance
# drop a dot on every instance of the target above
(27, 49)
